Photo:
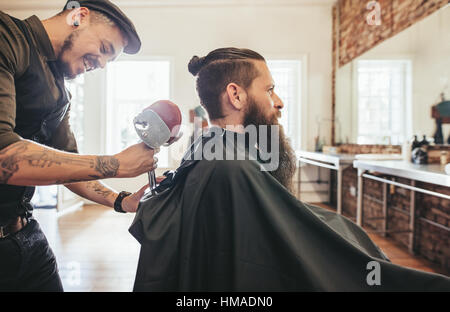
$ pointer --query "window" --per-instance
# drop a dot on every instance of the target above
(131, 87)
(287, 77)
(46, 196)
(383, 99)
(76, 88)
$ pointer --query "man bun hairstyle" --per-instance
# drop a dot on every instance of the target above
(196, 64)
(219, 68)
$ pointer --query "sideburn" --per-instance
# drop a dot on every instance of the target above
(64, 67)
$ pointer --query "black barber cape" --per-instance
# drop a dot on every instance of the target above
(225, 225)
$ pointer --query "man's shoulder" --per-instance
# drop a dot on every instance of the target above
(9, 27)
(13, 44)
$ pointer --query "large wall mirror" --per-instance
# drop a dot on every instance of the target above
(386, 95)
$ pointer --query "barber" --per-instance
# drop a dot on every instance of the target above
(37, 146)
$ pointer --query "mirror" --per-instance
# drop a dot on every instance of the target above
(386, 95)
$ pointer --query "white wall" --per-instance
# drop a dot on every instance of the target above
(431, 71)
(181, 32)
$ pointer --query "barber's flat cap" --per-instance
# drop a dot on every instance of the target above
(112, 11)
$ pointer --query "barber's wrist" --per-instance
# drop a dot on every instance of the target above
(119, 200)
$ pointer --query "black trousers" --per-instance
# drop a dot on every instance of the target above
(27, 262)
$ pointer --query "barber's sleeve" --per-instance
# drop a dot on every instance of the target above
(7, 100)
(63, 138)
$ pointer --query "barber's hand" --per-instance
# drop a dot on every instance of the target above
(131, 203)
(136, 160)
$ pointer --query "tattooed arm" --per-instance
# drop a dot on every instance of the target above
(101, 194)
(28, 163)
(95, 191)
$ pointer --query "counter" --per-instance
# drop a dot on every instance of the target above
(336, 162)
(433, 174)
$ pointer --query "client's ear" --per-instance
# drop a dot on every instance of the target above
(236, 96)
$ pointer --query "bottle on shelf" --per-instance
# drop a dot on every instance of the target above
(438, 136)
(415, 143)
(424, 142)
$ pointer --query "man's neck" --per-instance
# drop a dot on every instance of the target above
(56, 29)
(232, 124)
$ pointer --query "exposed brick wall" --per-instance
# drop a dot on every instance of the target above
(369, 149)
(399, 211)
(334, 65)
(435, 153)
(356, 36)
(349, 192)
(431, 241)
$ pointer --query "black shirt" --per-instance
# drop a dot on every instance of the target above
(29, 89)
(34, 102)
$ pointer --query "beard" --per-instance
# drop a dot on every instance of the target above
(64, 67)
(287, 159)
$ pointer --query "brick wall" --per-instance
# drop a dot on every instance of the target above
(369, 149)
(349, 191)
(356, 36)
(435, 152)
(334, 34)
(432, 241)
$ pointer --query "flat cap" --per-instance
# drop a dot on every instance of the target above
(112, 11)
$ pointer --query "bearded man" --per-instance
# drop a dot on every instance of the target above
(226, 220)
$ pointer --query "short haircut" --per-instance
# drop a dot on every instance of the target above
(219, 68)
(96, 17)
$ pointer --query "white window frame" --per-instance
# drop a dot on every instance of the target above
(408, 104)
(108, 113)
(299, 133)
(74, 98)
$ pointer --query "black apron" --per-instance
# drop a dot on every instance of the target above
(34, 121)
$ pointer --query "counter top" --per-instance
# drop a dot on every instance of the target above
(433, 173)
(335, 159)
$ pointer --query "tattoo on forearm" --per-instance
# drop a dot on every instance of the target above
(9, 163)
(107, 166)
(47, 159)
(99, 188)
(11, 156)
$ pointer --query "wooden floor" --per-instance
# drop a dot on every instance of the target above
(95, 252)
(93, 248)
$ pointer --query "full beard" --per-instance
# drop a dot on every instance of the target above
(64, 67)
(287, 159)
